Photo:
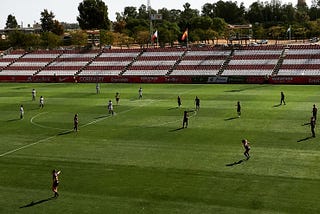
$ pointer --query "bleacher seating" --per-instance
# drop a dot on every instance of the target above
(110, 62)
(298, 60)
(69, 63)
(301, 60)
(154, 62)
(201, 62)
(8, 59)
(253, 61)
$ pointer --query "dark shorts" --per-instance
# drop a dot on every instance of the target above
(55, 184)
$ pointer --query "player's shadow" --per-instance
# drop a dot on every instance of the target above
(305, 124)
(173, 108)
(246, 88)
(102, 116)
(304, 139)
(236, 162)
(12, 120)
(277, 105)
(230, 118)
(178, 129)
(37, 202)
(65, 132)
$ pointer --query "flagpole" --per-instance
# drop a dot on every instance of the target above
(187, 39)
(290, 33)
(157, 39)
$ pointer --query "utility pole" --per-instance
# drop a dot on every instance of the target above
(150, 21)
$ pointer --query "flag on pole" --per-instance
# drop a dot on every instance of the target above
(185, 35)
(154, 36)
(289, 29)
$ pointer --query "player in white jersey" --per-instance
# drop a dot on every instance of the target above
(110, 107)
(41, 102)
(21, 112)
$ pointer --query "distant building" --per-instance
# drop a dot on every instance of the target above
(36, 28)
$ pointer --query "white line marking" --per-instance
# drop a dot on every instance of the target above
(43, 126)
(26, 146)
(49, 138)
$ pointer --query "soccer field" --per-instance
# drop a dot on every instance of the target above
(140, 160)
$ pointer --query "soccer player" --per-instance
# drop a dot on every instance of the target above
(197, 102)
(314, 112)
(41, 102)
(33, 92)
(117, 98)
(97, 88)
(110, 107)
(21, 112)
(282, 98)
(238, 108)
(185, 119)
(313, 126)
(55, 182)
(140, 93)
(246, 146)
(179, 101)
(75, 122)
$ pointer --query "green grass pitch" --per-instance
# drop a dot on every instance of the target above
(141, 161)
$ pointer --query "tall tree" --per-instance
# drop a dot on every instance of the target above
(229, 11)
(143, 12)
(58, 28)
(130, 12)
(186, 16)
(47, 22)
(11, 22)
(93, 14)
(208, 10)
(50, 40)
(79, 38)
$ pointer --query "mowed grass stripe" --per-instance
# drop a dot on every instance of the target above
(141, 162)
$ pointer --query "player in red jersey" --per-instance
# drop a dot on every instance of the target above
(75, 122)
(246, 146)
(55, 182)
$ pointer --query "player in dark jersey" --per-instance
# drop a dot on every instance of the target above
(246, 146)
(282, 98)
(33, 94)
(140, 93)
(238, 108)
(314, 112)
(197, 102)
(185, 119)
(75, 122)
(313, 126)
(97, 88)
(55, 182)
(117, 97)
(179, 101)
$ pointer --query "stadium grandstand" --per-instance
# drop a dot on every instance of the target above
(252, 63)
